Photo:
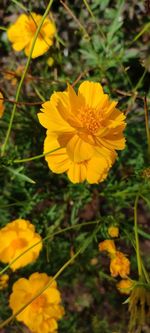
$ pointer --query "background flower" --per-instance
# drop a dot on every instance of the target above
(21, 34)
(44, 312)
(88, 127)
(119, 265)
(16, 237)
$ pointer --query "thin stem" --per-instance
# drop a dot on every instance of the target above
(137, 238)
(147, 124)
(23, 77)
(24, 160)
(80, 225)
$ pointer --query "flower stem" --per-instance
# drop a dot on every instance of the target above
(139, 264)
(23, 77)
(24, 160)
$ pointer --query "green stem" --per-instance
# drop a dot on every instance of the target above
(36, 157)
(139, 264)
(23, 77)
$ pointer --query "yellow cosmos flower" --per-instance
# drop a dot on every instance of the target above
(87, 127)
(15, 238)
(1, 105)
(21, 34)
(113, 231)
(107, 245)
(4, 281)
(119, 265)
(44, 312)
(125, 286)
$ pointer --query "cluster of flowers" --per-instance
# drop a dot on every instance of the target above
(20, 245)
(119, 264)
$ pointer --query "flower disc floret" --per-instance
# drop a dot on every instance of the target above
(15, 238)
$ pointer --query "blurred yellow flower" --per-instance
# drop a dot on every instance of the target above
(4, 281)
(113, 231)
(44, 312)
(15, 238)
(107, 245)
(22, 32)
(50, 61)
(125, 286)
(87, 127)
(1, 105)
(119, 265)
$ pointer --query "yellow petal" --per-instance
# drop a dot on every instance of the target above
(51, 119)
(92, 93)
(79, 150)
(77, 172)
(58, 161)
(97, 168)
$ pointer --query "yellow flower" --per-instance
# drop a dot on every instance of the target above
(87, 127)
(44, 312)
(15, 238)
(50, 61)
(113, 231)
(124, 286)
(21, 34)
(107, 245)
(119, 265)
(4, 281)
(1, 105)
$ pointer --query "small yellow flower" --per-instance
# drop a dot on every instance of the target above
(119, 265)
(22, 32)
(107, 245)
(87, 127)
(15, 238)
(4, 281)
(113, 231)
(50, 61)
(1, 105)
(125, 286)
(44, 312)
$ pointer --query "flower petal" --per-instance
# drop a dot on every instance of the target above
(58, 161)
(77, 172)
(79, 150)
(92, 93)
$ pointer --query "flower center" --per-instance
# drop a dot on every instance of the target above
(39, 302)
(90, 119)
(19, 243)
(32, 26)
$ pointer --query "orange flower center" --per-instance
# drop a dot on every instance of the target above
(19, 243)
(32, 26)
(39, 302)
(90, 119)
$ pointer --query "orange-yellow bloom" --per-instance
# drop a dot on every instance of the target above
(87, 127)
(1, 105)
(15, 238)
(119, 265)
(107, 245)
(113, 231)
(21, 34)
(44, 312)
(4, 281)
(125, 286)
